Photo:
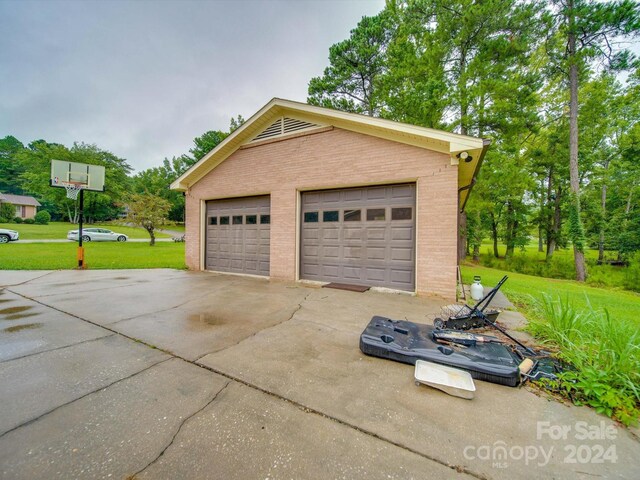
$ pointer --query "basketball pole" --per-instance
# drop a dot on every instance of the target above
(80, 247)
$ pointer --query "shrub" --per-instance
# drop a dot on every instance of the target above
(29, 221)
(631, 278)
(18, 220)
(6, 212)
(43, 217)
(604, 354)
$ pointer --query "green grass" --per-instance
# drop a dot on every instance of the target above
(531, 250)
(98, 255)
(532, 262)
(58, 230)
(594, 329)
(523, 289)
(604, 353)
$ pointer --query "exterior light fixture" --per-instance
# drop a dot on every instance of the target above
(465, 156)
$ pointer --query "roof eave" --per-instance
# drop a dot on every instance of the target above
(422, 137)
(465, 190)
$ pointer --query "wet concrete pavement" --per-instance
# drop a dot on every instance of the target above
(175, 374)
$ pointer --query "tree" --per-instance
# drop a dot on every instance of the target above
(350, 82)
(156, 181)
(149, 212)
(10, 167)
(466, 60)
(205, 143)
(588, 29)
(36, 162)
(236, 123)
(7, 212)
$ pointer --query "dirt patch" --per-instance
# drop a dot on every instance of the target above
(26, 326)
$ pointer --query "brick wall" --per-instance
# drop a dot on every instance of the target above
(335, 159)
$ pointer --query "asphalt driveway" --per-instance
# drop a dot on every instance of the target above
(174, 374)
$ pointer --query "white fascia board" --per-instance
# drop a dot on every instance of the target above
(437, 140)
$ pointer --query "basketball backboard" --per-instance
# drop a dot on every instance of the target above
(83, 175)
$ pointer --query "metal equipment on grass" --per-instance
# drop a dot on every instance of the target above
(467, 317)
(464, 317)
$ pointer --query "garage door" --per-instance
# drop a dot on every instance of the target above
(237, 235)
(363, 236)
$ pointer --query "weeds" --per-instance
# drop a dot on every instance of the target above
(561, 266)
(604, 353)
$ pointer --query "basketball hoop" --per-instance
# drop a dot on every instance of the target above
(73, 189)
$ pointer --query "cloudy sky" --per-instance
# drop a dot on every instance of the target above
(142, 78)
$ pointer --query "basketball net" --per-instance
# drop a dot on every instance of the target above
(73, 189)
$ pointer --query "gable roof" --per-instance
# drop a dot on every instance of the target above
(428, 138)
(19, 199)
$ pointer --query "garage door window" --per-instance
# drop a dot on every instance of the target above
(352, 215)
(310, 217)
(403, 213)
(237, 219)
(265, 219)
(375, 214)
(224, 220)
(213, 220)
(251, 219)
(330, 216)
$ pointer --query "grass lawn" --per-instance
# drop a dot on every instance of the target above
(98, 255)
(58, 230)
(531, 250)
(521, 289)
(530, 261)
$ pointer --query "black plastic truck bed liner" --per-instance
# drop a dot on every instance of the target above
(407, 342)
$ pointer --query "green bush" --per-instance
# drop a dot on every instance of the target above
(6, 212)
(558, 267)
(604, 354)
(18, 220)
(561, 266)
(43, 217)
(29, 221)
(631, 278)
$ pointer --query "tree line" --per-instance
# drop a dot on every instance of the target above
(551, 83)
(26, 170)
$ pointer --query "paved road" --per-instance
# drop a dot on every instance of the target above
(174, 374)
(135, 240)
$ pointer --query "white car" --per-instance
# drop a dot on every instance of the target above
(97, 235)
(7, 236)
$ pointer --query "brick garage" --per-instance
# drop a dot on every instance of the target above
(290, 153)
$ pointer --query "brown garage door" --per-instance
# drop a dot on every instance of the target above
(238, 232)
(362, 236)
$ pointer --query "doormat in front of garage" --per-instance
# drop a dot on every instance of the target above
(346, 286)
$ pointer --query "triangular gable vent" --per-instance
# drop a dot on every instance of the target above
(282, 126)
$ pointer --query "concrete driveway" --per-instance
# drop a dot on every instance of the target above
(173, 374)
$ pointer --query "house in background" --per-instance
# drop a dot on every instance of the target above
(301, 192)
(26, 206)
